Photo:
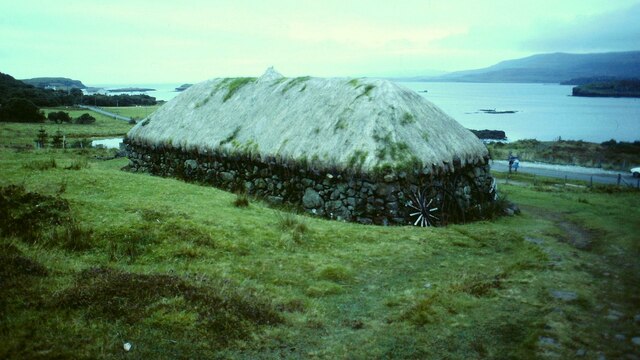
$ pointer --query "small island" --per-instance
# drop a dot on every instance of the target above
(494, 111)
(183, 87)
(490, 134)
(612, 88)
(131, 89)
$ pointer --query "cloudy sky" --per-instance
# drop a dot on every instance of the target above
(137, 41)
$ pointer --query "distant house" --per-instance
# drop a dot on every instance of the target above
(364, 150)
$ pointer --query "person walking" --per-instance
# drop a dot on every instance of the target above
(516, 165)
(511, 159)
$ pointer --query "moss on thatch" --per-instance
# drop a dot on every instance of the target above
(369, 122)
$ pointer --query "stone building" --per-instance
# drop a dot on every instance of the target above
(364, 150)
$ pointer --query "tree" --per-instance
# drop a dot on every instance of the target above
(20, 110)
(85, 119)
(57, 140)
(77, 95)
(41, 138)
(118, 100)
(59, 117)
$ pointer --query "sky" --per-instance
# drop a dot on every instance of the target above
(187, 41)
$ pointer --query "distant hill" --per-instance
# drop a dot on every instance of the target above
(588, 80)
(60, 83)
(11, 88)
(614, 88)
(550, 68)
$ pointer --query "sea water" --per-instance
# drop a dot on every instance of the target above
(164, 91)
(540, 111)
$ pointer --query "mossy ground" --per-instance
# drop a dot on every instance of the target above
(180, 271)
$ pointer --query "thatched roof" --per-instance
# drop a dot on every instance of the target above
(364, 123)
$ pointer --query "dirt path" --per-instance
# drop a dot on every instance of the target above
(574, 234)
(609, 310)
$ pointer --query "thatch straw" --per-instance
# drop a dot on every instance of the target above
(363, 123)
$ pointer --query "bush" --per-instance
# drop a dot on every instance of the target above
(289, 221)
(72, 236)
(85, 119)
(242, 200)
(42, 165)
(293, 226)
(30, 216)
(118, 100)
(78, 164)
(222, 311)
(80, 144)
(59, 117)
(41, 219)
(20, 110)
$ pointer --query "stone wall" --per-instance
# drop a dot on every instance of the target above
(335, 193)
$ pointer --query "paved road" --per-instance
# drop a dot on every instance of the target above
(570, 172)
(104, 112)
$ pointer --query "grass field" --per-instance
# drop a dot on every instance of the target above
(92, 257)
(134, 112)
(23, 135)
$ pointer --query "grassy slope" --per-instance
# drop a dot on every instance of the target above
(340, 290)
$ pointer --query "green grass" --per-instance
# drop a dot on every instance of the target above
(366, 91)
(236, 84)
(179, 271)
(21, 135)
(134, 112)
(340, 125)
(407, 118)
(294, 82)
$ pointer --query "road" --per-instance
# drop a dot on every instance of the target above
(569, 172)
(104, 112)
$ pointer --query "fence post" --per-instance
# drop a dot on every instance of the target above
(619, 179)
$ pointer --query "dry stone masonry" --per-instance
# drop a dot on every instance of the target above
(381, 199)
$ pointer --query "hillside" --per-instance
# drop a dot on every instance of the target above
(12, 88)
(550, 68)
(615, 88)
(55, 82)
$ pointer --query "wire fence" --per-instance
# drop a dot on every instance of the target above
(633, 183)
